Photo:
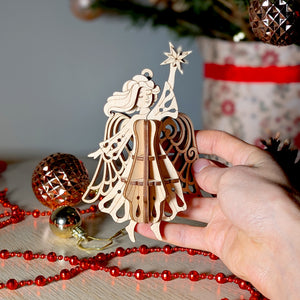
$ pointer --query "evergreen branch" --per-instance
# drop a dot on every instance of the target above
(242, 15)
(200, 17)
(236, 16)
(221, 35)
(227, 4)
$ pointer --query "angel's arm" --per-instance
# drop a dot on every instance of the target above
(166, 105)
(171, 79)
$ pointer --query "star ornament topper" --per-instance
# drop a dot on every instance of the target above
(176, 58)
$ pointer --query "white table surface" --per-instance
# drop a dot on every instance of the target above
(35, 235)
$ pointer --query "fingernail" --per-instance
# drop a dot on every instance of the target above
(199, 165)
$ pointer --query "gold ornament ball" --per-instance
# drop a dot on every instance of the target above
(64, 220)
(85, 10)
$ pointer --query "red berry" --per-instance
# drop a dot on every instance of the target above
(114, 271)
(139, 274)
(65, 274)
(36, 213)
(12, 284)
(120, 252)
(40, 280)
(166, 275)
(4, 254)
(191, 251)
(243, 285)
(84, 264)
(143, 249)
(220, 278)
(73, 260)
(167, 249)
(28, 255)
(51, 256)
(213, 257)
(193, 276)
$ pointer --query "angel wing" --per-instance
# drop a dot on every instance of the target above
(178, 141)
(114, 154)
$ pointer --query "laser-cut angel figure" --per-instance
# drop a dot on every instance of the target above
(135, 180)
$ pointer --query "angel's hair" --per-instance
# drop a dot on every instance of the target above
(125, 101)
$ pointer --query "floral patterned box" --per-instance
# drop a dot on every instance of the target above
(251, 89)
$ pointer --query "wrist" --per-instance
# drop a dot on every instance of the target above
(284, 283)
(284, 269)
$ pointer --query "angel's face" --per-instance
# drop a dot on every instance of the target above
(145, 98)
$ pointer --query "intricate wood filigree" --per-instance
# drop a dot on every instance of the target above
(178, 141)
(135, 178)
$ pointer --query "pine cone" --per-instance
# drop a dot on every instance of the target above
(275, 21)
(286, 157)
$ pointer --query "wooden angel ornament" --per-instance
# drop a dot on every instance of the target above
(147, 152)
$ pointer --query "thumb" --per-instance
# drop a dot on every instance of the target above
(207, 175)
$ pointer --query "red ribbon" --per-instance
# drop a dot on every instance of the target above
(271, 74)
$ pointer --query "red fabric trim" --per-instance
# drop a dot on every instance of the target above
(272, 74)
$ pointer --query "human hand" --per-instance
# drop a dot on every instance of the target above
(252, 222)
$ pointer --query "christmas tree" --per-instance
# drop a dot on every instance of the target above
(272, 21)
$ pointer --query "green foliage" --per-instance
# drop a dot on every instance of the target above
(214, 18)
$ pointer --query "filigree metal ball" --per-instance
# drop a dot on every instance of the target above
(59, 179)
(85, 10)
(64, 220)
(275, 22)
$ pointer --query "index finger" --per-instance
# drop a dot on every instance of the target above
(228, 147)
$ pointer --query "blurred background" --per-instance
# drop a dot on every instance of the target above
(56, 72)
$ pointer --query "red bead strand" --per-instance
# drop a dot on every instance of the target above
(101, 260)
(17, 214)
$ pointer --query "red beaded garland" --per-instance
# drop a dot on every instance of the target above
(100, 261)
(96, 263)
(17, 214)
